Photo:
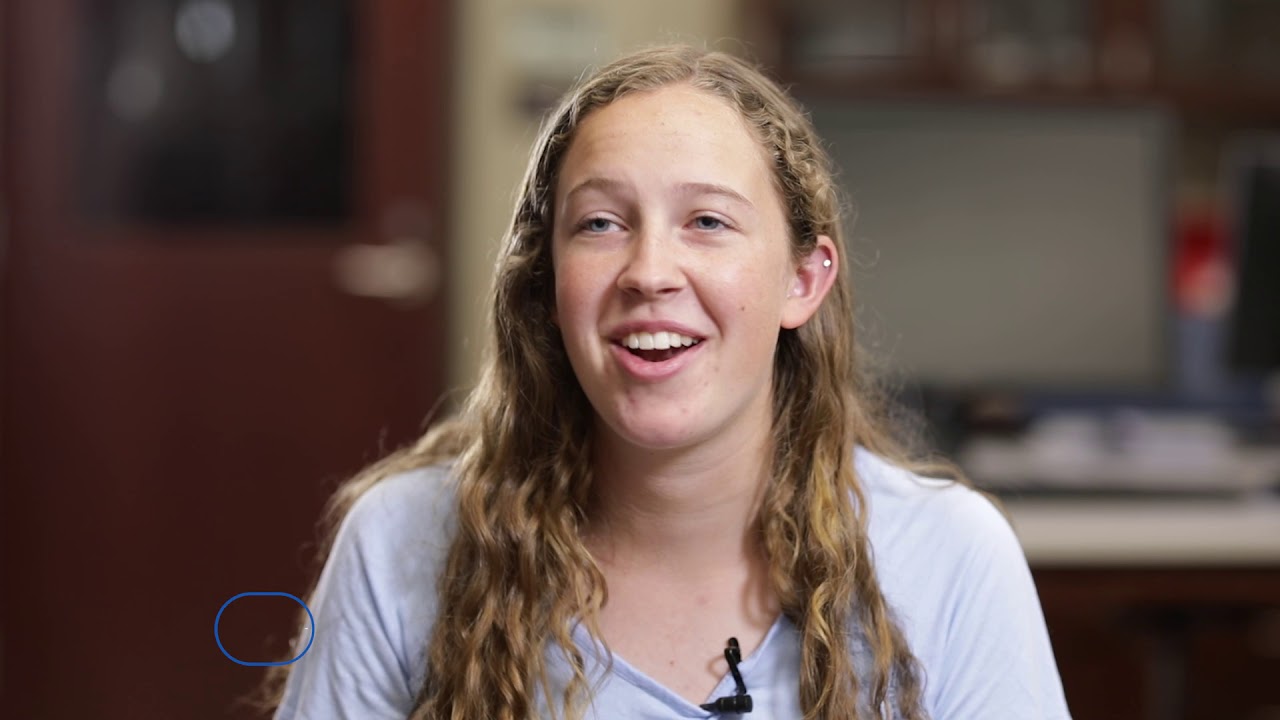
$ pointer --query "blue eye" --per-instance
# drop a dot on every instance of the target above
(707, 222)
(597, 224)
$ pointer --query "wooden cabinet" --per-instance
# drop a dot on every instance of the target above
(1166, 644)
(1219, 55)
(1215, 57)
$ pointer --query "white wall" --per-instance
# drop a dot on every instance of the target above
(504, 47)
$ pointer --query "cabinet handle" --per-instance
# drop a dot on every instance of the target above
(404, 271)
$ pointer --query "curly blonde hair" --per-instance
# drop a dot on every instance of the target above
(518, 575)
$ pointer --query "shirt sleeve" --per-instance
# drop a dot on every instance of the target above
(355, 668)
(999, 663)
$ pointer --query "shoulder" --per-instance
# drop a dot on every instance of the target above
(394, 540)
(933, 541)
(907, 511)
(397, 525)
(375, 602)
(404, 510)
(952, 570)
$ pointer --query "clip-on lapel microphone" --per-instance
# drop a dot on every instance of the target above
(741, 702)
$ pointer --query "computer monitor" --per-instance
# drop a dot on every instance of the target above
(1016, 248)
(1253, 178)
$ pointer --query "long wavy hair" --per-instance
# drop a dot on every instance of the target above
(518, 575)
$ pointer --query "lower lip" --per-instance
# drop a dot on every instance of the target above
(647, 371)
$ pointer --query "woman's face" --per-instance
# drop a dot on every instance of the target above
(673, 269)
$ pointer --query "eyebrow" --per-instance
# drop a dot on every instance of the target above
(699, 188)
(610, 185)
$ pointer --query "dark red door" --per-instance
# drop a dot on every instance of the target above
(221, 295)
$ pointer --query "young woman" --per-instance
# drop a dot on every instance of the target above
(672, 444)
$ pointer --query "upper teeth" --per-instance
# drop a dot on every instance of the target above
(661, 340)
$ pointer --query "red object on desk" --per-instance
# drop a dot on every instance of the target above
(1201, 261)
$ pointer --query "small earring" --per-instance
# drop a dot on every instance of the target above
(826, 263)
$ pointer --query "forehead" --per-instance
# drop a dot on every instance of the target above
(673, 134)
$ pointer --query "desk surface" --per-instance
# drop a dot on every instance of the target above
(1156, 532)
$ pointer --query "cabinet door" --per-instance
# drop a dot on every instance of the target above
(223, 220)
(1165, 643)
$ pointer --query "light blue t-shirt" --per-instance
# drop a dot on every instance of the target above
(948, 563)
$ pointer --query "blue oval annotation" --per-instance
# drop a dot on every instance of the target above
(311, 625)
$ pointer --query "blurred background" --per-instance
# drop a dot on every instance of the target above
(244, 249)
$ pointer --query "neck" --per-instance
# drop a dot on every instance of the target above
(682, 512)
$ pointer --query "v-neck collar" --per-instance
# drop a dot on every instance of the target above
(635, 677)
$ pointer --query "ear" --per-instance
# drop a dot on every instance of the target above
(813, 279)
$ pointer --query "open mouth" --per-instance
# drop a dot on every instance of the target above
(658, 346)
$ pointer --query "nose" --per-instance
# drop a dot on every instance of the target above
(653, 267)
